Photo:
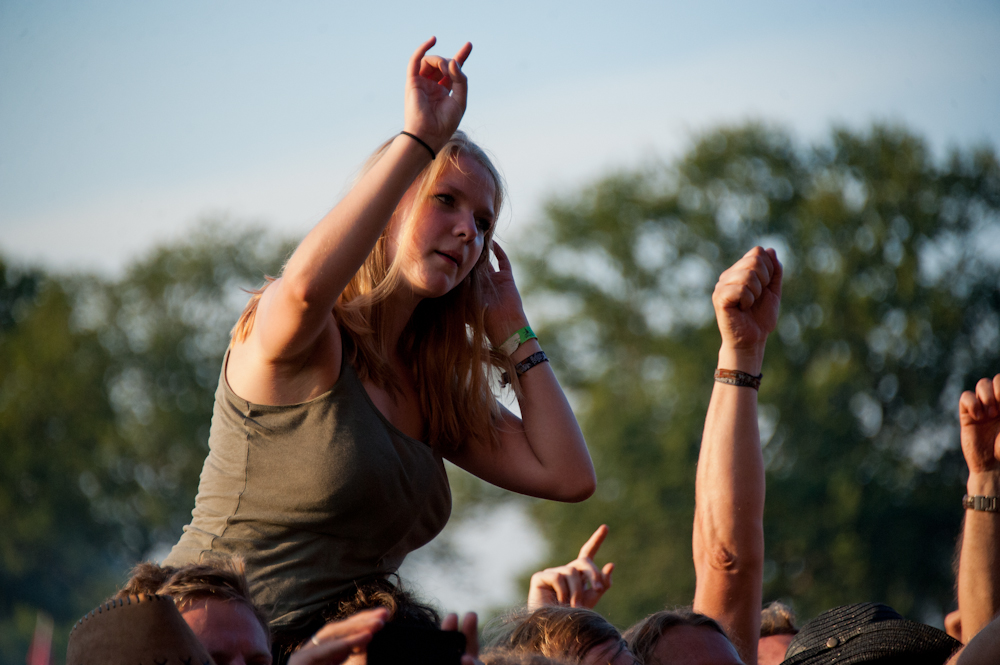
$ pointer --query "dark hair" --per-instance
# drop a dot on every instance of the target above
(557, 632)
(643, 636)
(376, 592)
(221, 578)
(777, 619)
(367, 593)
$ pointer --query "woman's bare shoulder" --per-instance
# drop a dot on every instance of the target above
(259, 380)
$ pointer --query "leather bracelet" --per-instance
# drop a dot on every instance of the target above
(531, 361)
(988, 504)
(735, 377)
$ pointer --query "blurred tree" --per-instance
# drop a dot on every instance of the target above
(106, 392)
(890, 309)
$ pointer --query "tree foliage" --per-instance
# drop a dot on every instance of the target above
(890, 309)
(106, 391)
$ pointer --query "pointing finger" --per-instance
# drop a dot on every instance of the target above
(589, 549)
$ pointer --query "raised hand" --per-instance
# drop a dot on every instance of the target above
(979, 416)
(580, 583)
(746, 300)
(504, 311)
(436, 92)
(470, 629)
(337, 640)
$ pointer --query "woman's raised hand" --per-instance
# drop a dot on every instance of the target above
(436, 92)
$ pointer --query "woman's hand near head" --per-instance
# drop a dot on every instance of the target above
(504, 310)
(542, 453)
(436, 90)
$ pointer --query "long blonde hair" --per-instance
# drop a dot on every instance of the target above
(445, 340)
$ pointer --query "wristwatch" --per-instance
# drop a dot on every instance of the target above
(989, 504)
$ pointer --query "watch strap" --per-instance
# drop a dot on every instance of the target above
(989, 504)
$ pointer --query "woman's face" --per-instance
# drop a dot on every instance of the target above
(443, 239)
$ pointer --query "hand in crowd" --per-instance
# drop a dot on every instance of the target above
(580, 583)
(436, 92)
(470, 629)
(746, 300)
(979, 416)
(337, 640)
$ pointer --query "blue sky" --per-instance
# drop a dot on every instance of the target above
(123, 124)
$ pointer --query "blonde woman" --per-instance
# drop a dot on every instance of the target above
(370, 359)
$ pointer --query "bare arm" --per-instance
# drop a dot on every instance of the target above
(543, 453)
(295, 311)
(984, 649)
(728, 537)
(979, 560)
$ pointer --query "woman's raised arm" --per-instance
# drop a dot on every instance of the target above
(296, 309)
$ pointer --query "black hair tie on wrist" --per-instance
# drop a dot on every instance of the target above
(421, 142)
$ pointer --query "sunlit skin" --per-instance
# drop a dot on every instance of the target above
(771, 649)
(694, 645)
(230, 632)
(441, 243)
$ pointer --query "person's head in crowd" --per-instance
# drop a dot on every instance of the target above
(214, 601)
(681, 637)
(373, 593)
(135, 629)
(517, 657)
(868, 633)
(565, 633)
(384, 592)
(777, 628)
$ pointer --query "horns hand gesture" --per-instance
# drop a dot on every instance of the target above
(436, 91)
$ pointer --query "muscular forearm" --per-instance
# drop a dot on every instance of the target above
(728, 540)
(979, 561)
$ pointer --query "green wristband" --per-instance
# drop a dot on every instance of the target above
(517, 339)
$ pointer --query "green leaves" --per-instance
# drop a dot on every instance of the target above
(106, 391)
(890, 309)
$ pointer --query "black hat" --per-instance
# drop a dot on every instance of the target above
(868, 633)
(144, 629)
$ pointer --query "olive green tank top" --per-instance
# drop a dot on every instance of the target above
(312, 496)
